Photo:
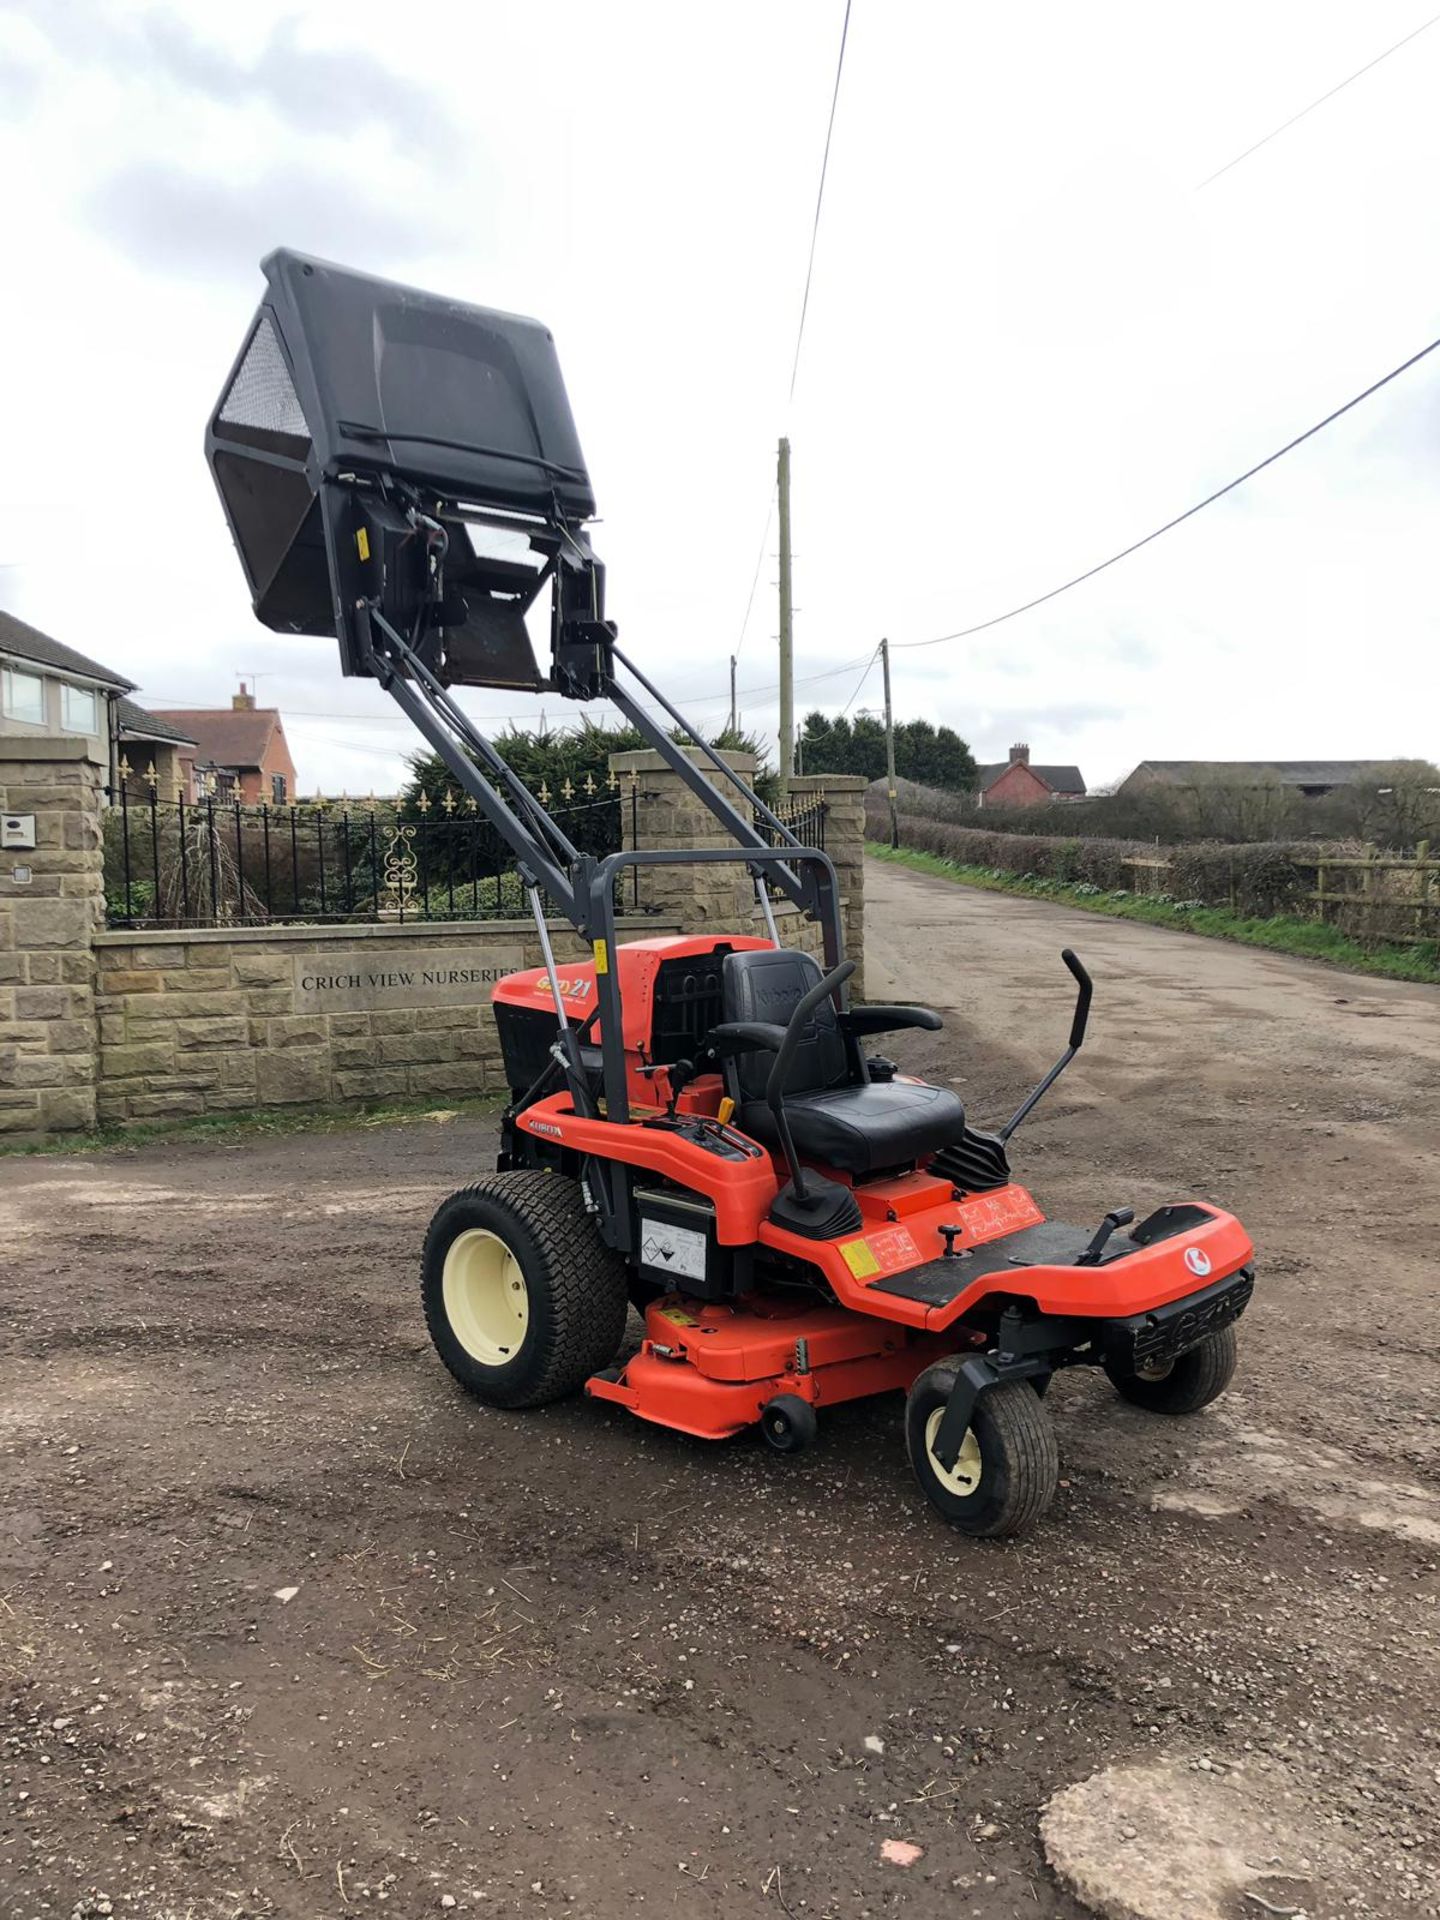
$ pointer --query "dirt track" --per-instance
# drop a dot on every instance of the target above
(559, 1663)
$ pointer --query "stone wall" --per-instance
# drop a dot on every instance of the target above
(203, 1022)
(844, 798)
(660, 811)
(51, 905)
(133, 1026)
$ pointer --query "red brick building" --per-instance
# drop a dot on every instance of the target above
(1015, 783)
(240, 754)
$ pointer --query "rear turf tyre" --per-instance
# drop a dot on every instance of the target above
(1183, 1385)
(523, 1299)
(1009, 1464)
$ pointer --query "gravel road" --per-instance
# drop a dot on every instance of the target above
(290, 1628)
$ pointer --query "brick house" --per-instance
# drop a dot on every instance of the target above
(240, 752)
(1016, 783)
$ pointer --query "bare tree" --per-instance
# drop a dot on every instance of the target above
(1248, 805)
(1395, 803)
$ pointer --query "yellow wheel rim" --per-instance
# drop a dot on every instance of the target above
(486, 1300)
(964, 1477)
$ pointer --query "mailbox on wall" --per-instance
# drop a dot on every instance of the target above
(17, 830)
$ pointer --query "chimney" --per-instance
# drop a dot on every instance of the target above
(1019, 755)
(243, 701)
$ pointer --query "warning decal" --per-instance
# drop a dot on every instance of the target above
(884, 1252)
(672, 1249)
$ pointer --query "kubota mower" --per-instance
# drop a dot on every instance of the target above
(697, 1125)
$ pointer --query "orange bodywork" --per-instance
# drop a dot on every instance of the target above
(637, 963)
(901, 1221)
(708, 1369)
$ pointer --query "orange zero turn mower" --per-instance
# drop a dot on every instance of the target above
(700, 1126)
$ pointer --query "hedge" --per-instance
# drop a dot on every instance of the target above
(1262, 879)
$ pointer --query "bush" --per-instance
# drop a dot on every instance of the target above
(1098, 863)
(1262, 880)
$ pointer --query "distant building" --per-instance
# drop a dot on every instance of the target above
(1016, 783)
(1310, 777)
(240, 752)
(47, 687)
(151, 754)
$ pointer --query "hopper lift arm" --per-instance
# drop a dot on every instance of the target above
(401, 471)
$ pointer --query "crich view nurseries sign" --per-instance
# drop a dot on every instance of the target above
(361, 982)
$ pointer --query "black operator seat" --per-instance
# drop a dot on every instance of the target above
(838, 1118)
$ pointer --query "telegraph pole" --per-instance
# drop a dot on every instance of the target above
(734, 719)
(889, 747)
(787, 654)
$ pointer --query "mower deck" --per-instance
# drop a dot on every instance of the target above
(708, 1369)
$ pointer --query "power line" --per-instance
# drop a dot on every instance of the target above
(755, 577)
(820, 199)
(1285, 125)
(488, 719)
(869, 669)
(804, 310)
(998, 619)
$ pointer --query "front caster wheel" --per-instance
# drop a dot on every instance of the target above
(1182, 1385)
(788, 1423)
(1009, 1464)
(523, 1299)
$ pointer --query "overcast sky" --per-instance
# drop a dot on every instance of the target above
(1031, 338)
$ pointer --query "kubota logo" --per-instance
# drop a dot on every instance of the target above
(782, 996)
(1198, 1261)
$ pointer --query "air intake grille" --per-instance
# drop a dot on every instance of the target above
(262, 395)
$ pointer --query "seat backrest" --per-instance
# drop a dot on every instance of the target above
(765, 984)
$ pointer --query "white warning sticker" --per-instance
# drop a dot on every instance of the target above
(679, 1250)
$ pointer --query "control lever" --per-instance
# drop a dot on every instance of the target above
(1077, 1040)
(949, 1235)
(1117, 1217)
(680, 1073)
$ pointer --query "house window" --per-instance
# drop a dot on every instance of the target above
(24, 696)
(277, 789)
(223, 786)
(79, 709)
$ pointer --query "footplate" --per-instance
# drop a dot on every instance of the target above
(1150, 1339)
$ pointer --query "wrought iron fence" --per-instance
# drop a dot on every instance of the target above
(212, 862)
(806, 822)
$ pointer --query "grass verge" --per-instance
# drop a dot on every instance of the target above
(228, 1128)
(1308, 939)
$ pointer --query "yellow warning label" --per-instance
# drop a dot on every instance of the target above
(362, 544)
(678, 1316)
(860, 1260)
(602, 957)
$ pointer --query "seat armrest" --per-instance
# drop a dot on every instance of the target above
(883, 1019)
(734, 1037)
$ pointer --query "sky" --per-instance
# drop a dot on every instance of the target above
(1032, 336)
